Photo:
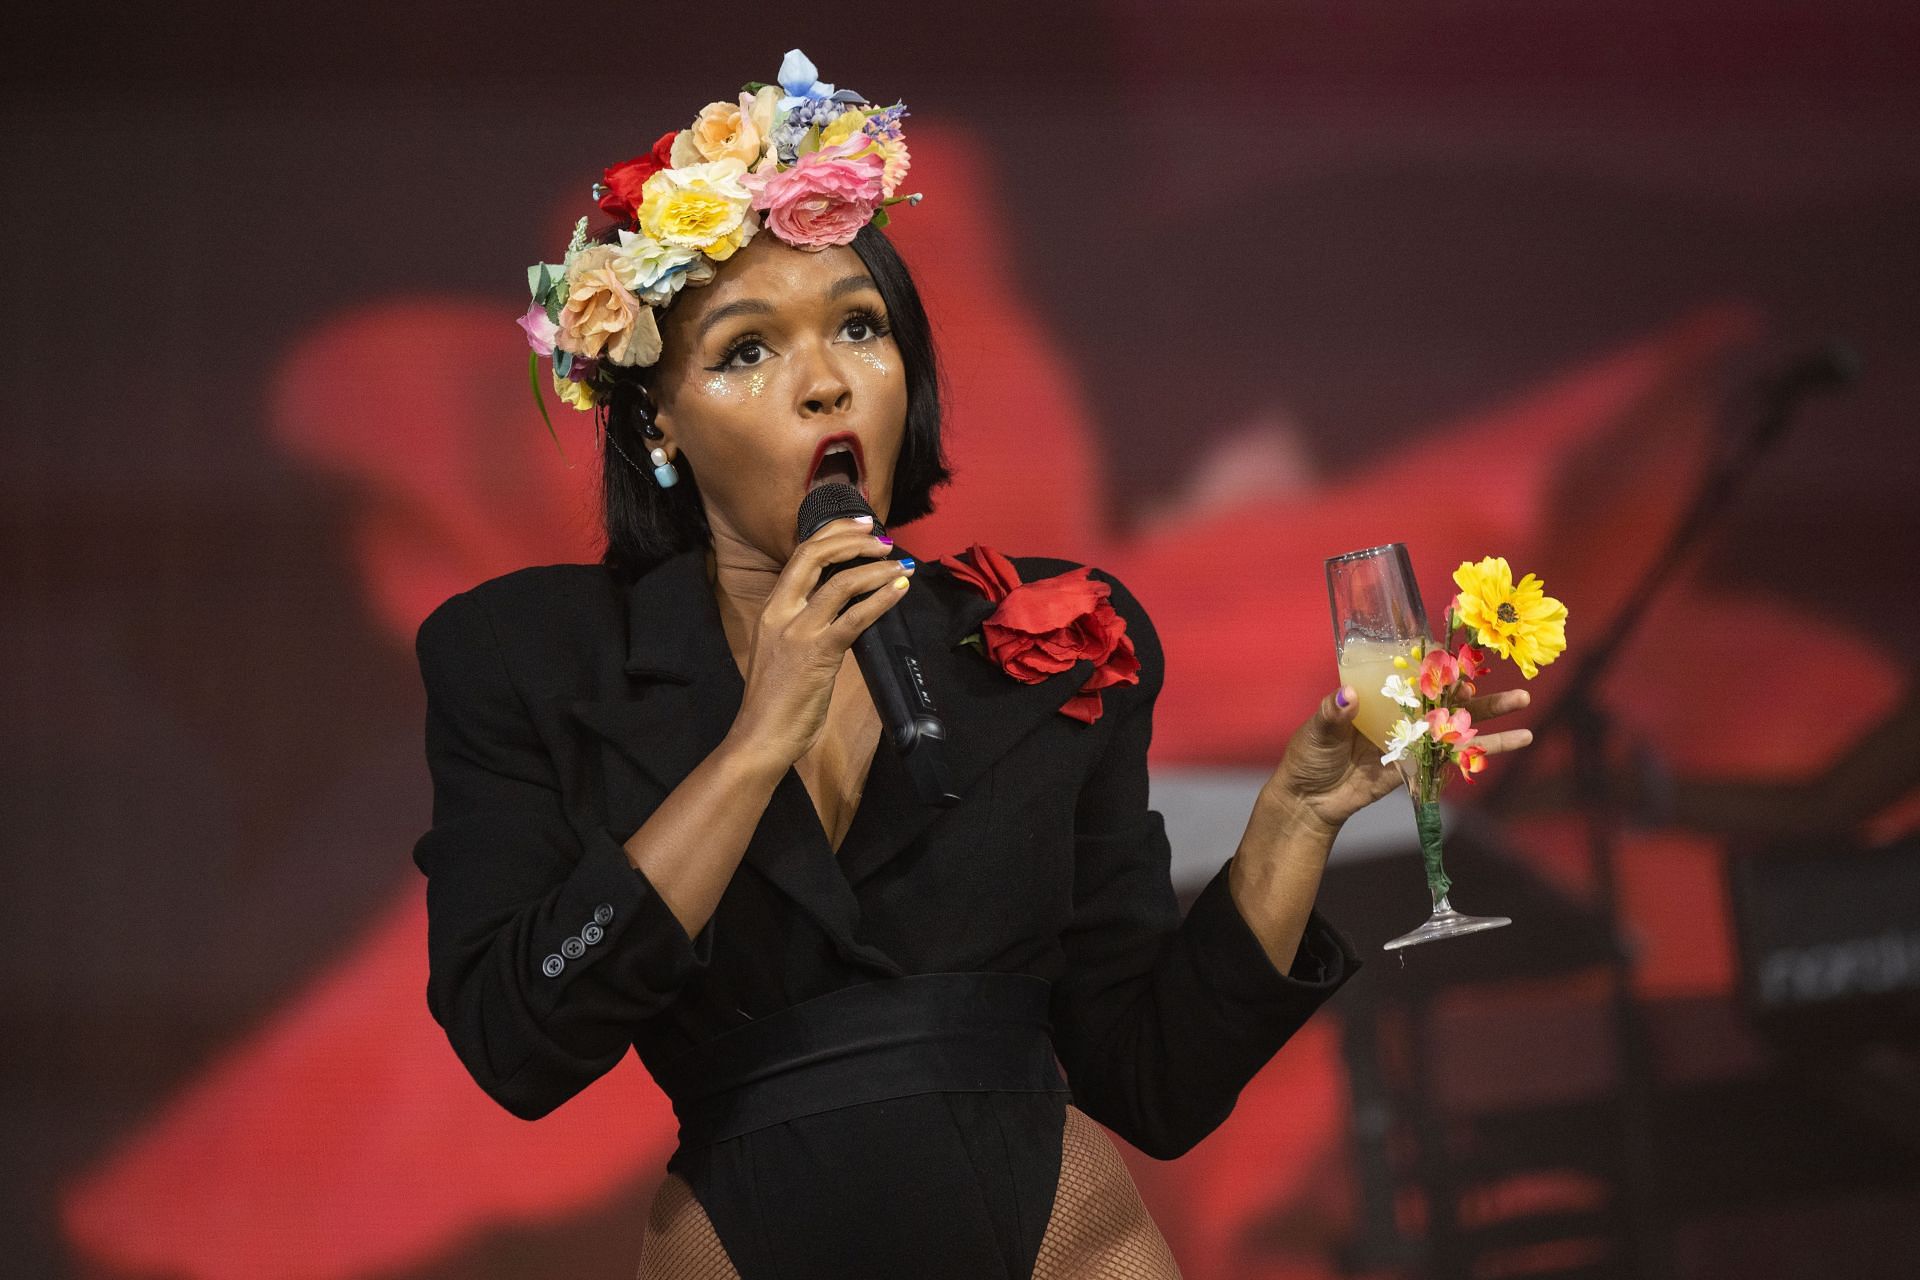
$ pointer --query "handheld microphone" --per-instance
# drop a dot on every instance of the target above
(889, 659)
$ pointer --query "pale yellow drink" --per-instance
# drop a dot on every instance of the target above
(1365, 664)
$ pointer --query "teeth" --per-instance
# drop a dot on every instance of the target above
(841, 447)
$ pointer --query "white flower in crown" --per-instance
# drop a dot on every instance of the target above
(661, 270)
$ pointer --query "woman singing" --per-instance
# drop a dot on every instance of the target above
(665, 818)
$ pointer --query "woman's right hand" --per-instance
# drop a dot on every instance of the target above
(801, 638)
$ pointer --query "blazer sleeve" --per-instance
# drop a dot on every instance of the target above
(544, 948)
(1160, 1022)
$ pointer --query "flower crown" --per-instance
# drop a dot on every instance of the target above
(807, 162)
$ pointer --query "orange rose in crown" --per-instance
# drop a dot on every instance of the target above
(1043, 627)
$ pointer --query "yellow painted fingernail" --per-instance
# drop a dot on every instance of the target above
(900, 583)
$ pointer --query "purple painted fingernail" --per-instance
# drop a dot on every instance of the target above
(884, 538)
(1340, 697)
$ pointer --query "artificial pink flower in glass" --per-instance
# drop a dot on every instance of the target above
(1472, 760)
(1438, 670)
(1450, 728)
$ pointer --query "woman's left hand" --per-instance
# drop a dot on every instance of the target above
(1330, 772)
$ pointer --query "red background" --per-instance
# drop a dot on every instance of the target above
(1221, 290)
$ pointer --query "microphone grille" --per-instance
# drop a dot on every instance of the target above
(828, 502)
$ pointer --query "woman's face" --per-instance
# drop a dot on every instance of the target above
(781, 350)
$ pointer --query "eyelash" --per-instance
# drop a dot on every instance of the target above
(873, 320)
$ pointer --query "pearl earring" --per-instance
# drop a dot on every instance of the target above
(663, 470)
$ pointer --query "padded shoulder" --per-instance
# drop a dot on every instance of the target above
(537, 616)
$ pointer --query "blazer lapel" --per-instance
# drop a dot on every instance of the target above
(685, 690)
(680, 701)
(984, 710)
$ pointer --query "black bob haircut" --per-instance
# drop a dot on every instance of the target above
(646, 524)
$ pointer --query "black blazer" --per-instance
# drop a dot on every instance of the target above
(563, 706)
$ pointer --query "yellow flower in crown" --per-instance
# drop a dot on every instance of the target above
(578, 394)
(844, 126)
(1519, 620)
(880, 130)
(701, 206)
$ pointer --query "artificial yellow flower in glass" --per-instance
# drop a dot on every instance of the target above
(1519, 620)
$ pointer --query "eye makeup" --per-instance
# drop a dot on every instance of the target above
(744, 342)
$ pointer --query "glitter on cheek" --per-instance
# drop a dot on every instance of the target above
(756, 384)
(873, 361)
(717, 385)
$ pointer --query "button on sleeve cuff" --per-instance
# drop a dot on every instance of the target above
(610, 926)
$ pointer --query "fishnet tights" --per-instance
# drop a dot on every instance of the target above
(1099, 1229)
(680, 1243)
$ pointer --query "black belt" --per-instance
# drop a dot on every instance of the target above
(926, 1033)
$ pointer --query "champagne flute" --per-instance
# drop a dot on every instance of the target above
(1378, 617)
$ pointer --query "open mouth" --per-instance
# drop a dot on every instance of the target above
(838, 461)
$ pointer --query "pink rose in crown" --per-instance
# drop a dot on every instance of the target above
(1042, 628)
(824, 198)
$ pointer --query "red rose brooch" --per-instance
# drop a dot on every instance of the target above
(1041, 628)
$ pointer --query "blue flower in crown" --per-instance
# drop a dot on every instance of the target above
(801, 79)
(810, 104)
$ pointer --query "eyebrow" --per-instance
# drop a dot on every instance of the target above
(760, 307)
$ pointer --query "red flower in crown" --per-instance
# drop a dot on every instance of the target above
(1043, 627)
(619, 187)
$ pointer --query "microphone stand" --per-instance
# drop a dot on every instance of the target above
(1580, 711)
(1825, 369)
